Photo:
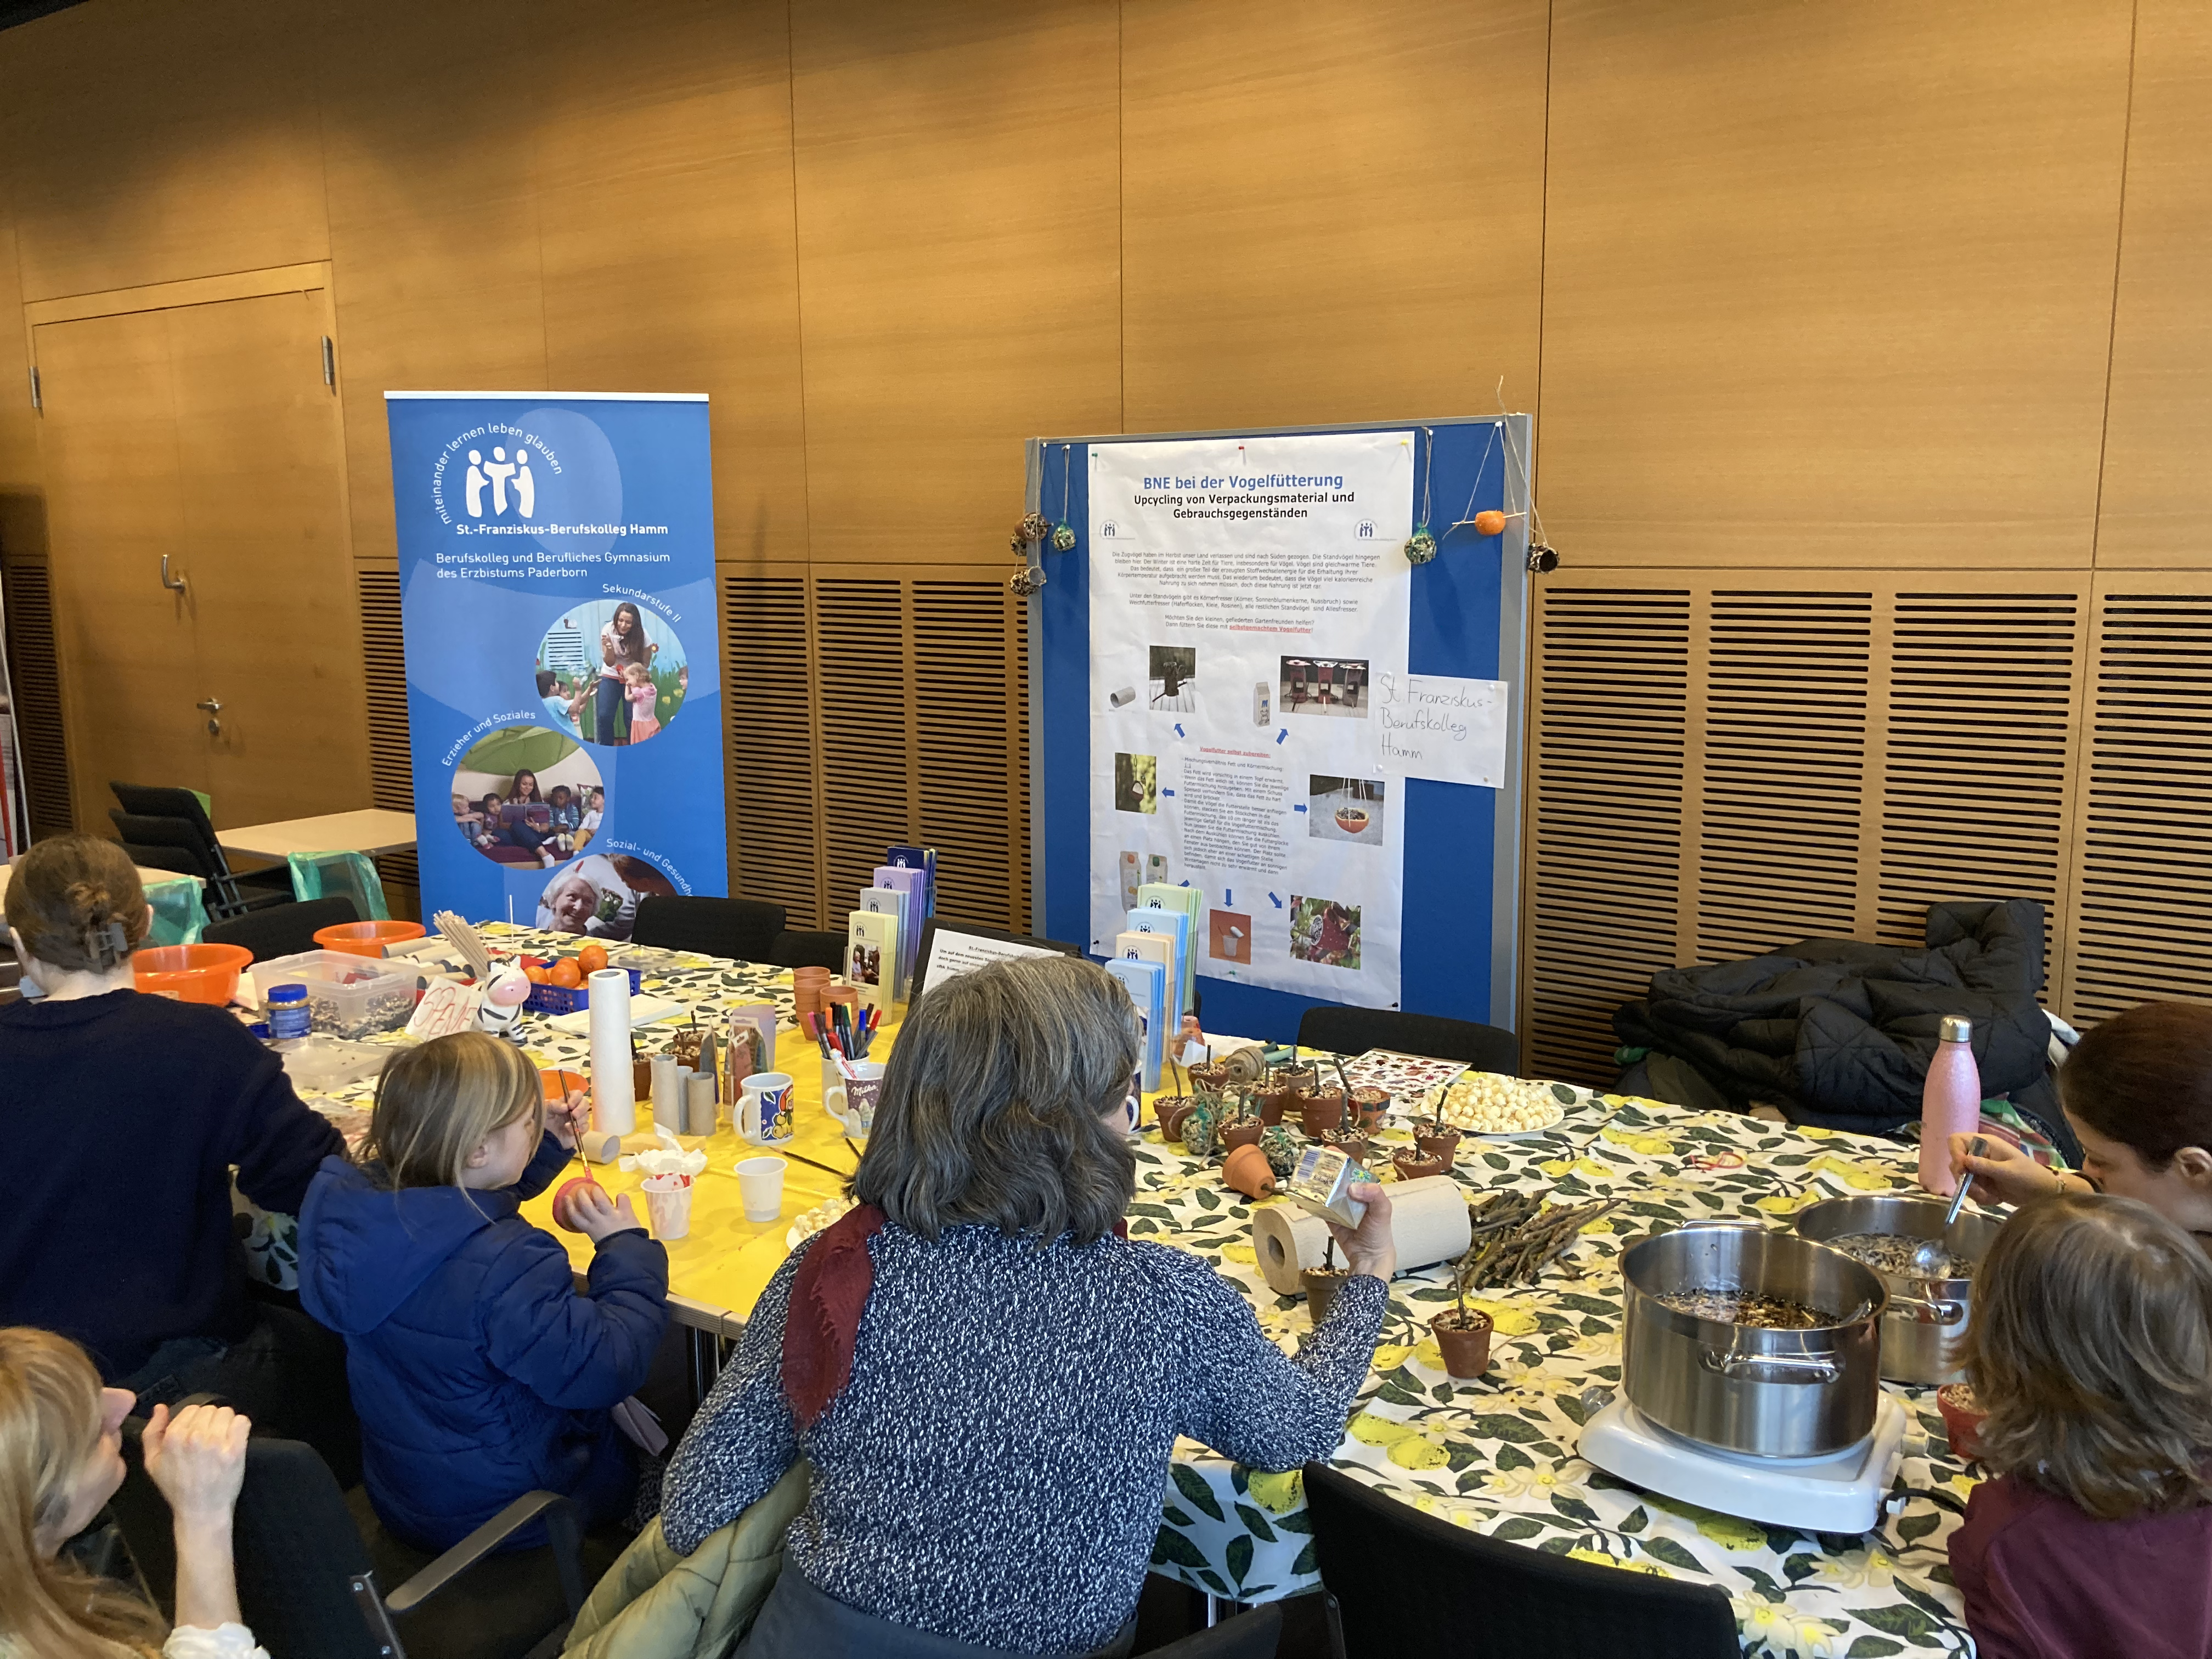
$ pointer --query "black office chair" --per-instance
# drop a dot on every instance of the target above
(740, 928)
(228, 894)
(1355, 1030)
(311, 1560)
(1253, 1634)
(1480, 1597)
(285, 931)
(807, 949)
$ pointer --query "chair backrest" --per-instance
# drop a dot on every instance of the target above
(809, 949)
(1354, 1030)
(142, 829)
(1254, 1634)
(282, 930)
(1478, 1596)
(166, 858)
(152, 801)
(742, 928)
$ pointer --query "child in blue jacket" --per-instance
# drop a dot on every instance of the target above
(479, 1371)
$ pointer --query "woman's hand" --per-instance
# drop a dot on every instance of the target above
(2002, 1173)
(1368, 1248)
(198, 1459)
(596, 1214)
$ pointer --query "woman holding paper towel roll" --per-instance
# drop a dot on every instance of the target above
(987, 1379)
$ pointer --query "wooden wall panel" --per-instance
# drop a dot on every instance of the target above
(958, 262)
(667, 225)
(1829, 285)
(2156, 509)
(155, 142)
(433, 215)
(1330, 212)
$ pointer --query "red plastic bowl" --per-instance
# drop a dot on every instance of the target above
(189, 973)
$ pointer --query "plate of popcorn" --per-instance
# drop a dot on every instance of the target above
(810, 1222)
(1490, 1104)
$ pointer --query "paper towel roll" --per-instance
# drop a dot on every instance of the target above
(667, 1093)
(1428, 1222)
(614, 1090)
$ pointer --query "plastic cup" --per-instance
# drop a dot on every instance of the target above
(760, 1184)
(668, 1205)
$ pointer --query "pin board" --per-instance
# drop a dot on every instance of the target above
(1236, 662)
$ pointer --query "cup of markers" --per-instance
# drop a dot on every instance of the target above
(841, 1032)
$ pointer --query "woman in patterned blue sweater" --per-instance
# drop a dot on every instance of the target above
(987, 1379)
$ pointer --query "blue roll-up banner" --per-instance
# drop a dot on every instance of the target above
(556, 572)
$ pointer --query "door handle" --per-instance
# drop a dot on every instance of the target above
(214, 707)
(174, 584)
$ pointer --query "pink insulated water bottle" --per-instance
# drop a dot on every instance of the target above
(1950, 1102)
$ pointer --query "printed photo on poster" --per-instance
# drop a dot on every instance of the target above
(1324, 685)
(611, 673)
(1229, 935)
(1324, 931)
(1346, 809)
(521, 795)
(1136, 783)
(598, 896)
(1173, 669)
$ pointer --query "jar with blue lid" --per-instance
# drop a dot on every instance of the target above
(288, 1015)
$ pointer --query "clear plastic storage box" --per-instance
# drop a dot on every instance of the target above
(348, 996)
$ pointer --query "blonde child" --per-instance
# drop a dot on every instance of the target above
(479, 1371)
(638, 687)
(2091, 1351)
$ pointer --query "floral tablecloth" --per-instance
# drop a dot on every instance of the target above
(1498, 1456)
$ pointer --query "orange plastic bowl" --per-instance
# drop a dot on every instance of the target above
(190, 973)
(366, 939)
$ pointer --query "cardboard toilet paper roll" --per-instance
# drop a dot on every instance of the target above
(699, 1103)
(1122, 698)
(667, 1096)
(600, 1146)
(1428, 1222)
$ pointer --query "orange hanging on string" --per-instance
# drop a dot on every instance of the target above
(1490, 522)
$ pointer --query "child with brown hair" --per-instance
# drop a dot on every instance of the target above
(2091, 1351)
(479, 1371)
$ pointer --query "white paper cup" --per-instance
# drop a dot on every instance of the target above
(668, 1205)
(760, 1184)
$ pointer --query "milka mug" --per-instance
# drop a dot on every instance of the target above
(850, 1089)
(763, 1113)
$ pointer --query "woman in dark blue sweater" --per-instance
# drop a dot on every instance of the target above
(988, 1381)
(138, 1108)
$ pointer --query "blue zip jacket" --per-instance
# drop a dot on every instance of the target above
(478, 1370)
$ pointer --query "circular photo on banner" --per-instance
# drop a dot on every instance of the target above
(598, 895)
(611, 673)
(527, 798)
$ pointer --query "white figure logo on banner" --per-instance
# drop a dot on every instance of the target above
(496, 472)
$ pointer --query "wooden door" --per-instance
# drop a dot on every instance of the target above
(202, 429)
(129, 660)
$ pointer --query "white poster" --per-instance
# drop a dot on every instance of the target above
(1248, 600)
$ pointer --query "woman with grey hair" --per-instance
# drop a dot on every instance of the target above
(986, 1378)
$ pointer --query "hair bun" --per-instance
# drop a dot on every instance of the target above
(95, 901)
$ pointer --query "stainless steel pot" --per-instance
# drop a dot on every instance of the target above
(1746, 1388)
(1927, 1318)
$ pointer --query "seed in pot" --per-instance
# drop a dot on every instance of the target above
(1728, 1307)
(1895, 1253)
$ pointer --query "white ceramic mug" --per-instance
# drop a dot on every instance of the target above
(850, 1089)
(764, 1107)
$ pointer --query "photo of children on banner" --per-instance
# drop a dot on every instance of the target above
(1173, 669)
(520, 796)
(612, 673)
(1324, 931)
(1136, 783)
(598, 895)
(1345, 809)
(1324, 685)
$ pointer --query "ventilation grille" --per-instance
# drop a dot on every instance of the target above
(1975, 799)
(866, 649)
(1784, 758)
(36, 676)
(973, 770)
(767, 690)
(1606, 827)
(2143, 911)
(383, 671)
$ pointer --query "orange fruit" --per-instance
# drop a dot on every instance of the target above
(591, 958)
(534, 974)
(566, 974)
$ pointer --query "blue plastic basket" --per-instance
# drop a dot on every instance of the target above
(560, 999)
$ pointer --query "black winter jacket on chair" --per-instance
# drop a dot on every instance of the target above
(1838, 1033)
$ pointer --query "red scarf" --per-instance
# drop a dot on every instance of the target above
(823, 1324)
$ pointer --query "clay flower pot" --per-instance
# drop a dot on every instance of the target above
(1413, 1167)
(1245, 1133)
(1305, 1077)
(1962, 1418)
(1351, 1142)
(1171, 1110)
(1277, 1102)
(1322, 1112)
(1438, 1143)
(1247, 1169)
(1465, 1347)
(1321, 1285)
(1212, 1075)
(1373, 1105)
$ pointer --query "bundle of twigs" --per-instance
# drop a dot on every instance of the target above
(1515, 1236)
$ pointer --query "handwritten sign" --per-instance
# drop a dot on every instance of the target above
(1433, 725)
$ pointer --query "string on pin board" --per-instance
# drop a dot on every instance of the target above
(1421, 545)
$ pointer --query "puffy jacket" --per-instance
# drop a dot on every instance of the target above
(479, 1371)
